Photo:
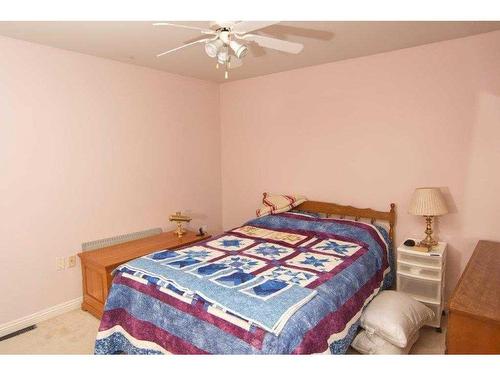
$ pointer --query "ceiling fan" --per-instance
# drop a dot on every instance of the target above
(225, 41)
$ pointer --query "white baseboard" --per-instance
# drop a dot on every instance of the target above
(40, 316)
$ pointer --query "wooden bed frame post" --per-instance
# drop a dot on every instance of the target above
(392, 223)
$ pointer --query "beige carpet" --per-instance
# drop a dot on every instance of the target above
(70, 333)
(74, 333)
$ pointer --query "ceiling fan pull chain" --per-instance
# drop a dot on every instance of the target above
(226, 73)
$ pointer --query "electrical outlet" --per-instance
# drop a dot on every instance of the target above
(61, 263)
(71, 261)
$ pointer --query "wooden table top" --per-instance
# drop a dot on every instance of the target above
(121, 253)
(478, 291)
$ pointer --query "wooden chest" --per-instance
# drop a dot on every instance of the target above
(97, 265)
(474, 321)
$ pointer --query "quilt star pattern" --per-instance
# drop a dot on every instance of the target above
(269, 250)
(315, 262)
(290, 275)
(242, 263)
(231, 243)
(336, 247)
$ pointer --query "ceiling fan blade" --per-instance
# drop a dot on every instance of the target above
(204, 31)
(248, 26)
(184, 46)
(278, 44)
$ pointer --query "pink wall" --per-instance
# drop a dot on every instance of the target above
(367, 131)
(91, 148)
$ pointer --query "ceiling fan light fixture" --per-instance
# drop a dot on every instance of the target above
(240, 50)
(213, 48)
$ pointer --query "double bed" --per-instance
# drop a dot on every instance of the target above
(288, 283)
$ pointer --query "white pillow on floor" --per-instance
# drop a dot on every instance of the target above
(395, 317)
(373, 344)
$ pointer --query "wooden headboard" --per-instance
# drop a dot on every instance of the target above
(348, 211)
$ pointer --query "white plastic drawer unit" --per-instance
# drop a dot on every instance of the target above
(421, 275)
(424, 290)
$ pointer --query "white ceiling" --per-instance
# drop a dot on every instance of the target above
(139, 42)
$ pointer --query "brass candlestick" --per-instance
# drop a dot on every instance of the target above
(178, 218)
(428, 241)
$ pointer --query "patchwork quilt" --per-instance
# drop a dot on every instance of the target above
(280, 284)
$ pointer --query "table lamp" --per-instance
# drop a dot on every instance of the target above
(428, 202)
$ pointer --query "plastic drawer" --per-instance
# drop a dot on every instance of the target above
(420, 260)
(419, 271)
(422, 289)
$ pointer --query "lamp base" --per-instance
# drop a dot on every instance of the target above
(428, 244)
(428, 241)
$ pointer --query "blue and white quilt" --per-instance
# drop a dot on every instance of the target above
(282, 283)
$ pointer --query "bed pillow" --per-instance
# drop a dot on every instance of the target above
(275, 204)
(395, 317)
(374, 344)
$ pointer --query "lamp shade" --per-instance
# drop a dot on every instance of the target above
(427, 201)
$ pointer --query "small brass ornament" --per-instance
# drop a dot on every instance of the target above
(178, 218)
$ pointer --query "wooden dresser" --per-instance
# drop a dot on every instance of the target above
(474, 321)
(97, 265)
